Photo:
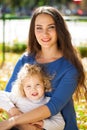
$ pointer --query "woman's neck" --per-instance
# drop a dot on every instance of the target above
(48, 56)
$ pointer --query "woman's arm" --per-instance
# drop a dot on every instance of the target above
(34, 115)
(66, 86)
(29, 117)
(53, 123)
(25, 58)
(13, 77)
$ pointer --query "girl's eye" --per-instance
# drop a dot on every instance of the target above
(38, 85)
(28, 86)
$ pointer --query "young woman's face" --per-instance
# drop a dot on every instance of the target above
(45, 31)
(33, 87)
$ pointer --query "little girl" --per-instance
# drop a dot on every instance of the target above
(28, 93)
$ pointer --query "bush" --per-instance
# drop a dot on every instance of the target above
(83, 51)
(21, 47)
(17, 47)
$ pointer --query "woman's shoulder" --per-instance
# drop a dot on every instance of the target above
(68, 66)
(62, 61)
(27, 58)
(26, 55)
(64, 65)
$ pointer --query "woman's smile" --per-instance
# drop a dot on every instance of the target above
(46, 39)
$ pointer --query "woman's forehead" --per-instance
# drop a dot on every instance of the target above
(43, 19)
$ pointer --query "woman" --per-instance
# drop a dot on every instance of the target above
(50, 46)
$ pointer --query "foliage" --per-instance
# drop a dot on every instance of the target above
(21, 47)
(81, 111)
(83, 51)
(31, 4)
(17, 47)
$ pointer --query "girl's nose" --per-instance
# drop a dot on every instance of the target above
(33, 88)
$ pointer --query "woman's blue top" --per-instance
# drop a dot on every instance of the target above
(64, 83)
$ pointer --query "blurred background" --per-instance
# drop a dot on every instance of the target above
(25, 7)
(15, 16)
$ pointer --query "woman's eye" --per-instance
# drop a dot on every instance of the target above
(51, 27)
(38, 28)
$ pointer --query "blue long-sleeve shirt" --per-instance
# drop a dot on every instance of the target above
(64, 83)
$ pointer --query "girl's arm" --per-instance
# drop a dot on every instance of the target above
(54, 123)
(14, 111)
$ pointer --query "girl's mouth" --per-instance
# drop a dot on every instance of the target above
(34, 94)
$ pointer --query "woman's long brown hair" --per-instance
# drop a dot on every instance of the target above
(64, 44)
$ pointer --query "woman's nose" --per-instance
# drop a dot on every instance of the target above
(45, 31)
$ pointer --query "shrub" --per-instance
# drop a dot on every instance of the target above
(83, 51)
(21, 47)
(17, 47)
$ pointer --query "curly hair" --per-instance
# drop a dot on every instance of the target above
(29, 70)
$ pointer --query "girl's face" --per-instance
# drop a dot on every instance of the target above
(33, 87)
(45, 31)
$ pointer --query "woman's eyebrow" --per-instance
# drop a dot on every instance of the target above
(51, 24)
(38, 25)
(47, 25)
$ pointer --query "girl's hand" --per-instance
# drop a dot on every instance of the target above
(14, 111)
(7, 124)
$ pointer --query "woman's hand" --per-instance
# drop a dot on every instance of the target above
(39, 124)
(29, 127)
(7, 124)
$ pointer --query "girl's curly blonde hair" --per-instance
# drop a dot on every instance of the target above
(29, 70)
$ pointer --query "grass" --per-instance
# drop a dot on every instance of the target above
(6, 70)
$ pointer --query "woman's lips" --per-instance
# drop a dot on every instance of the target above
(45, 40)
